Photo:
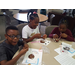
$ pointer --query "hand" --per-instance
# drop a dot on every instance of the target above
(25, 46)
(55, 36)
(63, 35)
(37, 35)
(44, 36)
(23, 51)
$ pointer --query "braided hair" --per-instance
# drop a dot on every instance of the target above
(32, 15)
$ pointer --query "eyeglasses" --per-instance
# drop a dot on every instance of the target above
(13, 36)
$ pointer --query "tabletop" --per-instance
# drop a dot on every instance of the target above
(47, 58)
(23, 17)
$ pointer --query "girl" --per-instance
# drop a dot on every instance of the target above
(31, 31)
(62, 31)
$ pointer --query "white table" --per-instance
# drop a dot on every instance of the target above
(23, 17)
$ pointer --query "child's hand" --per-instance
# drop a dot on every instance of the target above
(37, 35)
(44, 36)
(25, 46)
(63, 35)
(23, 51)
(55, 36)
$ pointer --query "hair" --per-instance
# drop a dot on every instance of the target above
(11, 28)
(32, 16)
(64, 21)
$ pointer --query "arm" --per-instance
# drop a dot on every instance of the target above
(69, 36)
(53, 32)
(11, 62)
(14, 60)
(33, 37)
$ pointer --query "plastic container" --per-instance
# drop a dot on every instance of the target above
(45, 49)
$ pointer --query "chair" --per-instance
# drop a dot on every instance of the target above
(51, 18)
(20, 26)
(8, 20)
(49, 29)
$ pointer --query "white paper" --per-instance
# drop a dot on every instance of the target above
(64, 59)
(70, 53)
(37, 57)
(46, 42)
(65, 45)
(65, 56)
(59, 51)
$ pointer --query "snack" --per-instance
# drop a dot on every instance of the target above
(42, 41)
(29, 64)
(66, 48)
(57, 40)
(31, 56)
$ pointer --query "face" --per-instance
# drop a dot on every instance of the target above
(34, 23)
(10, 40)
(62, 28)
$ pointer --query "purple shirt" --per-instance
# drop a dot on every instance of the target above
(68, 32)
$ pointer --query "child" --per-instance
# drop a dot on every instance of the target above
(10, 46)
(31, 31)
(62, 31)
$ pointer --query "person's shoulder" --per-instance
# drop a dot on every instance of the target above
(25, 27)
(1, 44)
(68, 30)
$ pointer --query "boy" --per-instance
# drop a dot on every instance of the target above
(31, 31)
(10, 46)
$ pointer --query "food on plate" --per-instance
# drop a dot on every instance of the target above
(66, 48)
(31, 56)
(42, 41)
(57, 40)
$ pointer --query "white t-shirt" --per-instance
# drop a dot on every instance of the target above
(28, 32)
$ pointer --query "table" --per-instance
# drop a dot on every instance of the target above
(23, 17)
(47, 59)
